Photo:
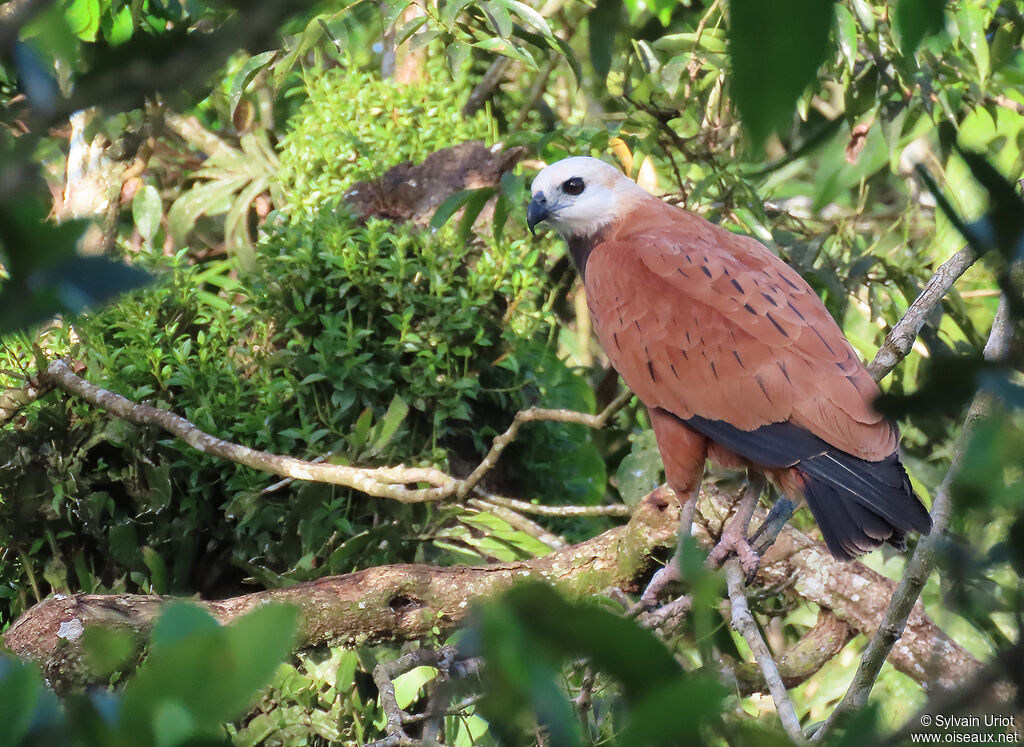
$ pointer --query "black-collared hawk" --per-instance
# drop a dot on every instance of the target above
(735, 357)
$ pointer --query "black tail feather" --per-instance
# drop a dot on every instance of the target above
(859, 505)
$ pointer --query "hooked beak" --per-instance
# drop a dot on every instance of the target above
(537, 211)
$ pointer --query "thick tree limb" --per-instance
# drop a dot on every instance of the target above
(900, 339)
(923, 560)
(406, 602)
(383, 604)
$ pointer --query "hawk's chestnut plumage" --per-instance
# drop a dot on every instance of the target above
(734, 355)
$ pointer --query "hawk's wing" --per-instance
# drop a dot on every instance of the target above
(703, 322)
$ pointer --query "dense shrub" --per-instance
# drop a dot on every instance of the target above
(374, 343)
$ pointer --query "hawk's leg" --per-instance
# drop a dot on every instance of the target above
(670, 572)
(734, 536)
(768, 532)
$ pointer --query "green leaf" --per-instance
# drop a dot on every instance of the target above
(449, 207)
(971, 20)
(602, 23)
(178, 622)
(474, 204)
(846, 34)
(640, 470)
(106, 649)
(776, 50)
(244, 76)
(24, 700)
(118, 26)
(393, 418)
(659, 719)
(84, 18)
(199, 674)
(409, 685)
(913, 20)
(157, 569)
(147, 209)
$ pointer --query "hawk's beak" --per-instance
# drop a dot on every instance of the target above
(537, 211)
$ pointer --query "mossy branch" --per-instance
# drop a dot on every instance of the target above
(396, 603)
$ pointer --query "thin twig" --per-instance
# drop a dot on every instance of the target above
(744, 622)
(541, 509)
(501, 442)
(900, 339)
(444, 659)
(922, 562)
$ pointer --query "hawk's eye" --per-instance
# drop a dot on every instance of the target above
(573, 186)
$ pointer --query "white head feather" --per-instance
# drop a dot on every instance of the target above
(607, 195)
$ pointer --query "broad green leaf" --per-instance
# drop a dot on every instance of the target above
(659, 719)
(393, 418)
(640, 470)
(409, 28)
(846, 33)
(531, 16)
(118, 26)
(409, 686)
(157, 569)
(449, 207)
(971, 19)
(177, 622)
(84, 19)
(23, 698)
(106, 649)
(507, 49)
(498, 18)
(913, 20)
(147, 210)
(473, 205)
(776, 50)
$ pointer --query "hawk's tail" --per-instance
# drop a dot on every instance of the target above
(860, 504)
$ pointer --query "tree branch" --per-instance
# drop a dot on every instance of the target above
(448, 664)
(376, 605)
(397, 603)
(923, 560)
(799, 662)
(851, 591)
(380, 482)
(744, 622)
(501, 442)
(900, 340)
(14, 399)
